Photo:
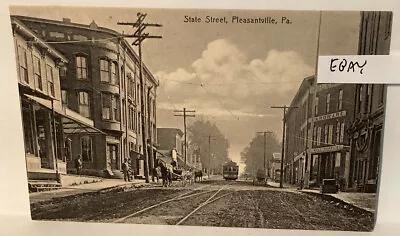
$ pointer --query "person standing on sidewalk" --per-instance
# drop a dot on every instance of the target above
(125, 169)
(78, 165)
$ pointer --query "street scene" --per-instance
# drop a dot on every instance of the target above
(199, 117)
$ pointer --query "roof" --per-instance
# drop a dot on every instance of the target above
(24, 30)
(174, 130)
(92, 27)
(307, 82)
(230, 163)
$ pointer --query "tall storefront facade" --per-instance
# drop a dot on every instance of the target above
(102, 84)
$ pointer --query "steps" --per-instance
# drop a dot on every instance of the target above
(43, 185)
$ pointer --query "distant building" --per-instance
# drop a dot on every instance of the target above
(275, 167)
(46, 122)
(367, 129)
(101, 83)
(170, 149)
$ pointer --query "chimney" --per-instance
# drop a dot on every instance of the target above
(66, 20)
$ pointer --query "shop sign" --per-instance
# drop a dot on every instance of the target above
(330, 116)
(327, 149)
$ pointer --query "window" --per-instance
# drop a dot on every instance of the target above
(330, 134)
(23, 68)
(50, 80)
(84, 104)
(114, 74)
(342, 133)
(86, 148)
(104, 70)
(316, 105)
(62, 71)
(328, 102)
(314, 137)
(64, 98)
(116, 108)
(367, 98)
(319, 136)
(111, 107)
(122, 78)
(154, 108)
(338, 132)
(112, 152)
(81, 67)
(360, 96)
(340, 102)
(37, 73)
(325, 134)
(106, 101)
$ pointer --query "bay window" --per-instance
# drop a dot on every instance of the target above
(110, 107)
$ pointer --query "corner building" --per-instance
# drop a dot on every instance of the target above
(366, 130)
(102, 83)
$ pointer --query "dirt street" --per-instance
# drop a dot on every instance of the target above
(240, 205)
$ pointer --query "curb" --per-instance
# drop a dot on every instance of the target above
(344, 204)
(114, 189)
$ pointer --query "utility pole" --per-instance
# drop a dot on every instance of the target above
(283, 139)
(265, 145)
(209, 153)
(185, 113)
(140, 36)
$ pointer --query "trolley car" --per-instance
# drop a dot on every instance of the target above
(230, 171)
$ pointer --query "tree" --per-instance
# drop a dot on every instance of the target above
(199, 133)
(253, 154)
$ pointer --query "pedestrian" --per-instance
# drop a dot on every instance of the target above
(125, 169)
(78, 165)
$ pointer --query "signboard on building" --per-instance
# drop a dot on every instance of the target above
(334, 148)
(329, 116)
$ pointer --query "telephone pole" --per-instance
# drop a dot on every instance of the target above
(210, 137)
(185, 113)
(283, 139)
(140, 36)
(265, 145)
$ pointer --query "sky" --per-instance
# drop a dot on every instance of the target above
(228, 73)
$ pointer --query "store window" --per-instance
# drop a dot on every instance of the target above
(86, 149)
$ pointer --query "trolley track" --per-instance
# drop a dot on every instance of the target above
(215, 196)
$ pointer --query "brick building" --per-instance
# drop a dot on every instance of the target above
(101, 83)
(315, 136)
(46, 122)
(366, 130)
(334, 111)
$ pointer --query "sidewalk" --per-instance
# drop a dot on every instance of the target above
(365, 201)
(81, 189)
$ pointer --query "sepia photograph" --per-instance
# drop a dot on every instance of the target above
(199, 117)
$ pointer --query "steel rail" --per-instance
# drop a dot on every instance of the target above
(209, 200)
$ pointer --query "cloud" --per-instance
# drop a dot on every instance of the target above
(222, 81)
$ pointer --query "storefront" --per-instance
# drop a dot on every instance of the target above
(331, 162)
(47, 130)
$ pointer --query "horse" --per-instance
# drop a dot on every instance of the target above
(187, 177)
(166, 173)
(198, 174)
(157, 173)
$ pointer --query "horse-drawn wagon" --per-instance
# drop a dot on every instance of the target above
(260, 177)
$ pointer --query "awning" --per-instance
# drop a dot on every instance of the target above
(73, 123)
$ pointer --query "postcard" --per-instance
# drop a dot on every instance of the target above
(199, 117)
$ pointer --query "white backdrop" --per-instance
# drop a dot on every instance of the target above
(14, 202)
